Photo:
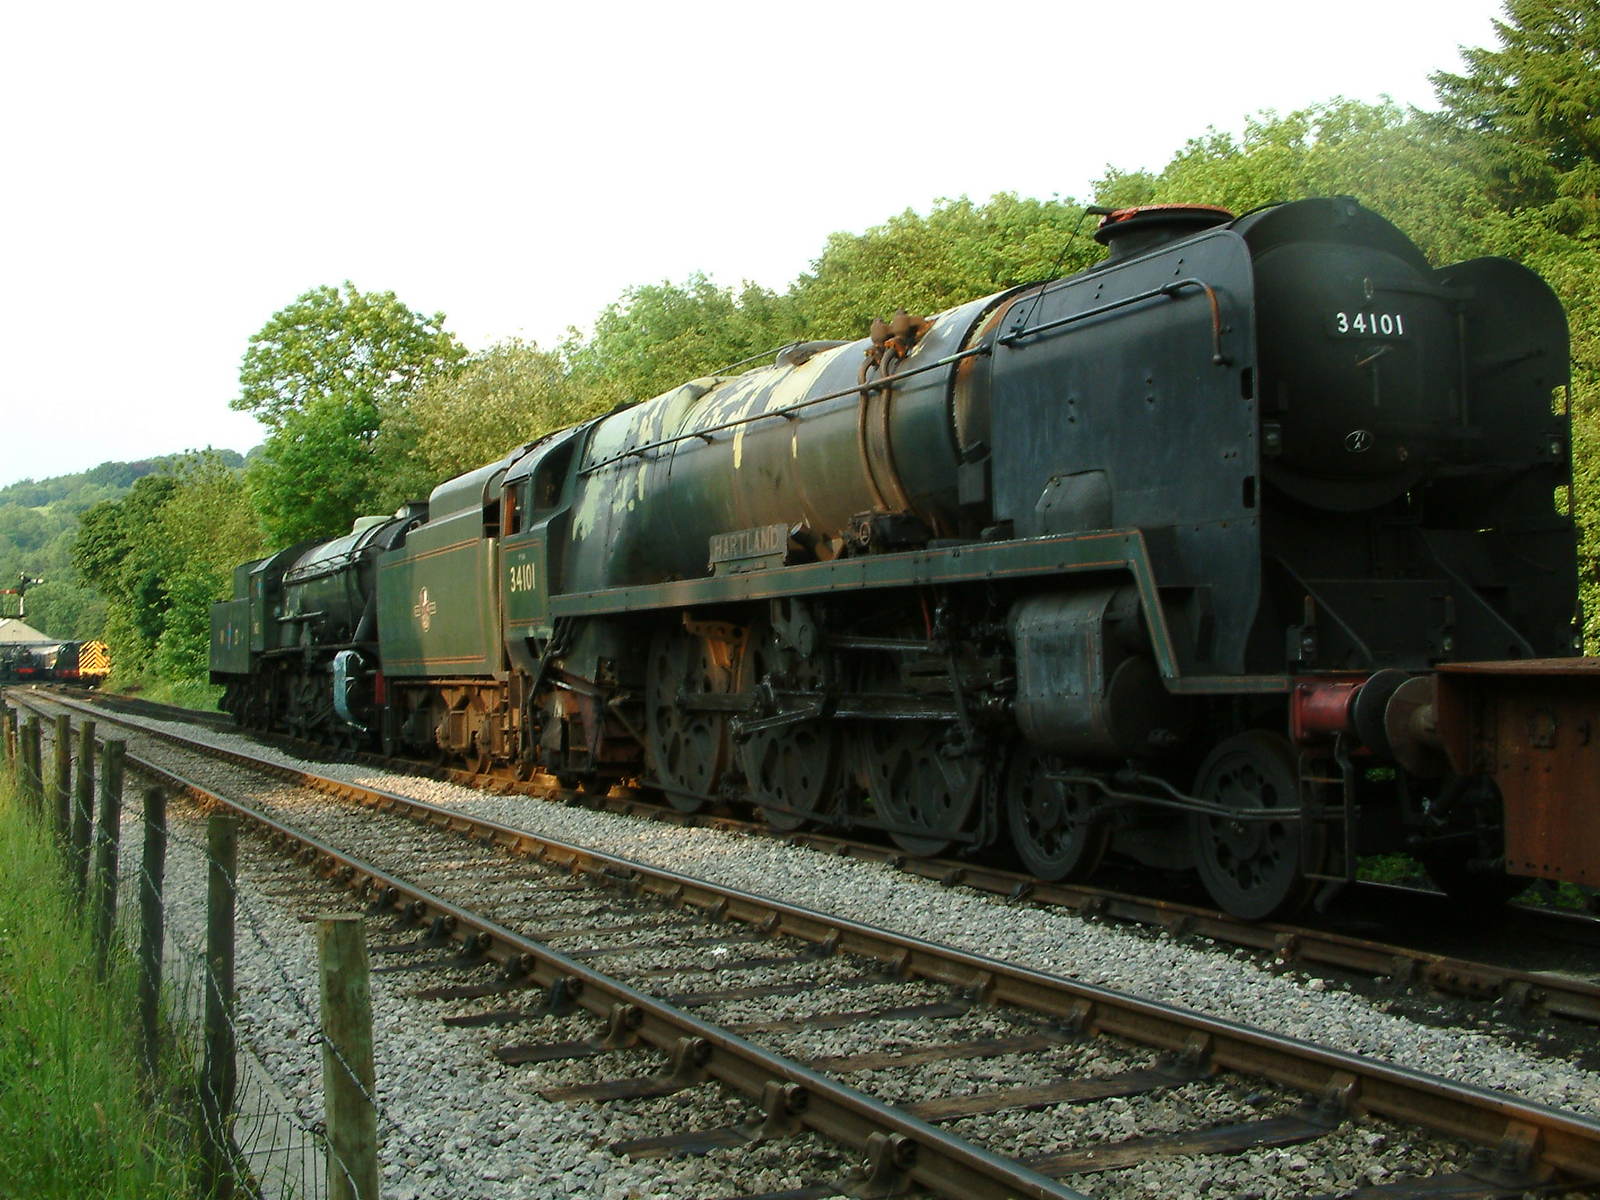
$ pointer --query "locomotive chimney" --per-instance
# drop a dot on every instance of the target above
(1127, 232)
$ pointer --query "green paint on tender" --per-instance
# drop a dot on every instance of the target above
(439, 610)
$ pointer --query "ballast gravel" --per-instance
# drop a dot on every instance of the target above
(457, 1123)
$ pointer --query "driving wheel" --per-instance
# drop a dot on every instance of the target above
(792, 770)
(922, 793)
(687, 745)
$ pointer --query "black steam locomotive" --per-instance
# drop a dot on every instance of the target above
(1181, 557)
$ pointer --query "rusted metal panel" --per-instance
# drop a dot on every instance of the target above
(1534, 727)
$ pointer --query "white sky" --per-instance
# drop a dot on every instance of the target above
(175, 173)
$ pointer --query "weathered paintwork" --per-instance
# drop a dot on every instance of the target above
(538, 486)
(1112, 554)
(658, 480)
(1121, 413)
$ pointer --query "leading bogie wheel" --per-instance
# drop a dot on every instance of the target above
(1254, 867)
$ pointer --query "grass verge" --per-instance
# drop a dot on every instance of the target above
(75, 1114)
(185, 693)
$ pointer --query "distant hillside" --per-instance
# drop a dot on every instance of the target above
(38, 520)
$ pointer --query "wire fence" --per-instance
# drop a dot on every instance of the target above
(264, 1078)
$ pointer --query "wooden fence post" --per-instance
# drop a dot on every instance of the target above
(152, 872)
(83, 811)
(348, 1075)
(63, 780)
(217, 1071)
(19, 762)
(30, 762)
(107, 839)
(8, 735)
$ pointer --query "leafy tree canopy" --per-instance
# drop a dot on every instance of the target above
(497, 399)
(158, 558)
(1530, 110)
(957, 252)
(659, 335)
(319, 375)
(354, 347)
(317, 472)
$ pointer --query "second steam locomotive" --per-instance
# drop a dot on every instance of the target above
(1240, 551)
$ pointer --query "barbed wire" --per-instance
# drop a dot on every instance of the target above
(191, 971)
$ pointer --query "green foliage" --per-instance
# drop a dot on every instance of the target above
(498, 398)
(317, 472)
(160, 556)
(75, 1120)
(38, 524)
(1529, 111)
(117, 552)
(959, 251)
(319, 375)
(659, 335)
(354, 347)
(1388, 159)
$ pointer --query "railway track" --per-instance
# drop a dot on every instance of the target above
(1414, 947)
(960, 1063)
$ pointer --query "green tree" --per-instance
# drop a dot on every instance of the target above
(659, 335)
(318, 471)
(1389, 158)
(206, 530)
(160, 556)
(1529, 111)
(117, 552)
(353, 346)
(957, 252)
(496, 399)
(319, 375)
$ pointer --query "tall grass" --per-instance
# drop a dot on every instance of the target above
(186, 693)
(76, 1118)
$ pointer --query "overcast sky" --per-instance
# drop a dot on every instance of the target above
(173, 173)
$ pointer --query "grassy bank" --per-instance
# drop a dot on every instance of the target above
(186, 693)
(74, 1117)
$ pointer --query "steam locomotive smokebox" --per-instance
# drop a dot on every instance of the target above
(1082, 686)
